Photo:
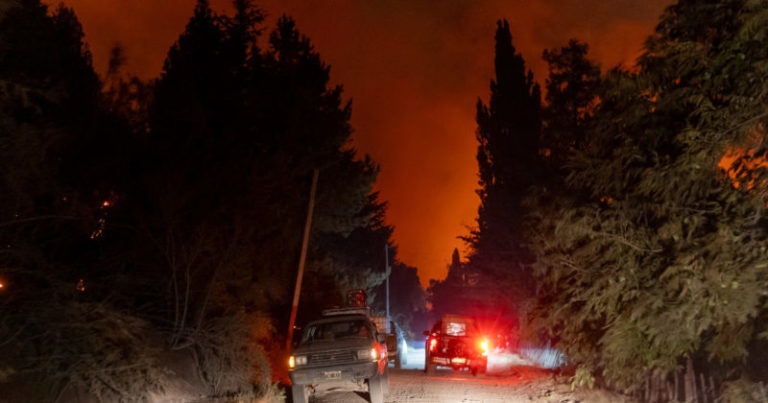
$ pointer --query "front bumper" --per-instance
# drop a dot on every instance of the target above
(347, 372)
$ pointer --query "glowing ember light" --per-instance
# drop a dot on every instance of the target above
(98, 232)
(740, 164)
(2, 285)
(80, 285)
(106, 203)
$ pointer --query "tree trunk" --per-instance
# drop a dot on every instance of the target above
(676, 395)
(647, 396)
(690, 383)
(704, 395)
(670, 392)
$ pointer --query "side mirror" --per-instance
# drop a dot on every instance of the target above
(426, 333)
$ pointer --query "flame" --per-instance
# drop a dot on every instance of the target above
(99, 231)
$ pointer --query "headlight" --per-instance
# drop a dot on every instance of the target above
(484, 346)
(371, 354)
(295, 361)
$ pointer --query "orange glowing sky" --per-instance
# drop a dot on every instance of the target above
(414, 70)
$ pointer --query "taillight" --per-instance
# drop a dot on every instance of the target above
(432, 345)
(484, 346)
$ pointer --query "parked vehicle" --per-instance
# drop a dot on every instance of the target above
(396, 344)
(343, 345)
(456, 342)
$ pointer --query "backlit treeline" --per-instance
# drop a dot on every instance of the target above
(151, 231)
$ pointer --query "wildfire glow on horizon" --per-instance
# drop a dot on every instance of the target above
(414, 71)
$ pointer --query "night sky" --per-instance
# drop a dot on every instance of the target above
(414, 70)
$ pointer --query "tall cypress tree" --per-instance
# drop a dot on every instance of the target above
(508, 134)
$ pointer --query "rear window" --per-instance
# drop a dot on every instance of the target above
(456, 329)
(348, 329)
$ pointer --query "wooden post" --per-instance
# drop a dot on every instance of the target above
(302, 260)
(386, 270)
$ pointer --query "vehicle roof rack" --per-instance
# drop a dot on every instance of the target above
(351, 310)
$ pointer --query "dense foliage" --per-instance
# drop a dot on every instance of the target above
(651, 261)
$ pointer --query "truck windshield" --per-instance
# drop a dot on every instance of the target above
(357, 328)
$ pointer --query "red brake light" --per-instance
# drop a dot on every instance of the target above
(432, 345)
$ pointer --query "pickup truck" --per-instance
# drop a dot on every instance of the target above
(341, 346)
(456, 342)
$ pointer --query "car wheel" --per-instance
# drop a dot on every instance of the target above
(430, 368)
(299, 394)
(385, 383)
(376, 389)
(474, 371)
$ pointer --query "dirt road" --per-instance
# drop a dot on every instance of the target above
(509, 379)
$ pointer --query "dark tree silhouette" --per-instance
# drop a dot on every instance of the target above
(163, 220)
(508, 134)
(571, 98)
(452, 295)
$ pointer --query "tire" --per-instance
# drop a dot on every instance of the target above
(376, 389)
(385, 383)
(474, 370)
(299, 394)
(398, 362)
(430, 368)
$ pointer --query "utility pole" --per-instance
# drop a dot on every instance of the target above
(302, 260)
(386, 268)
